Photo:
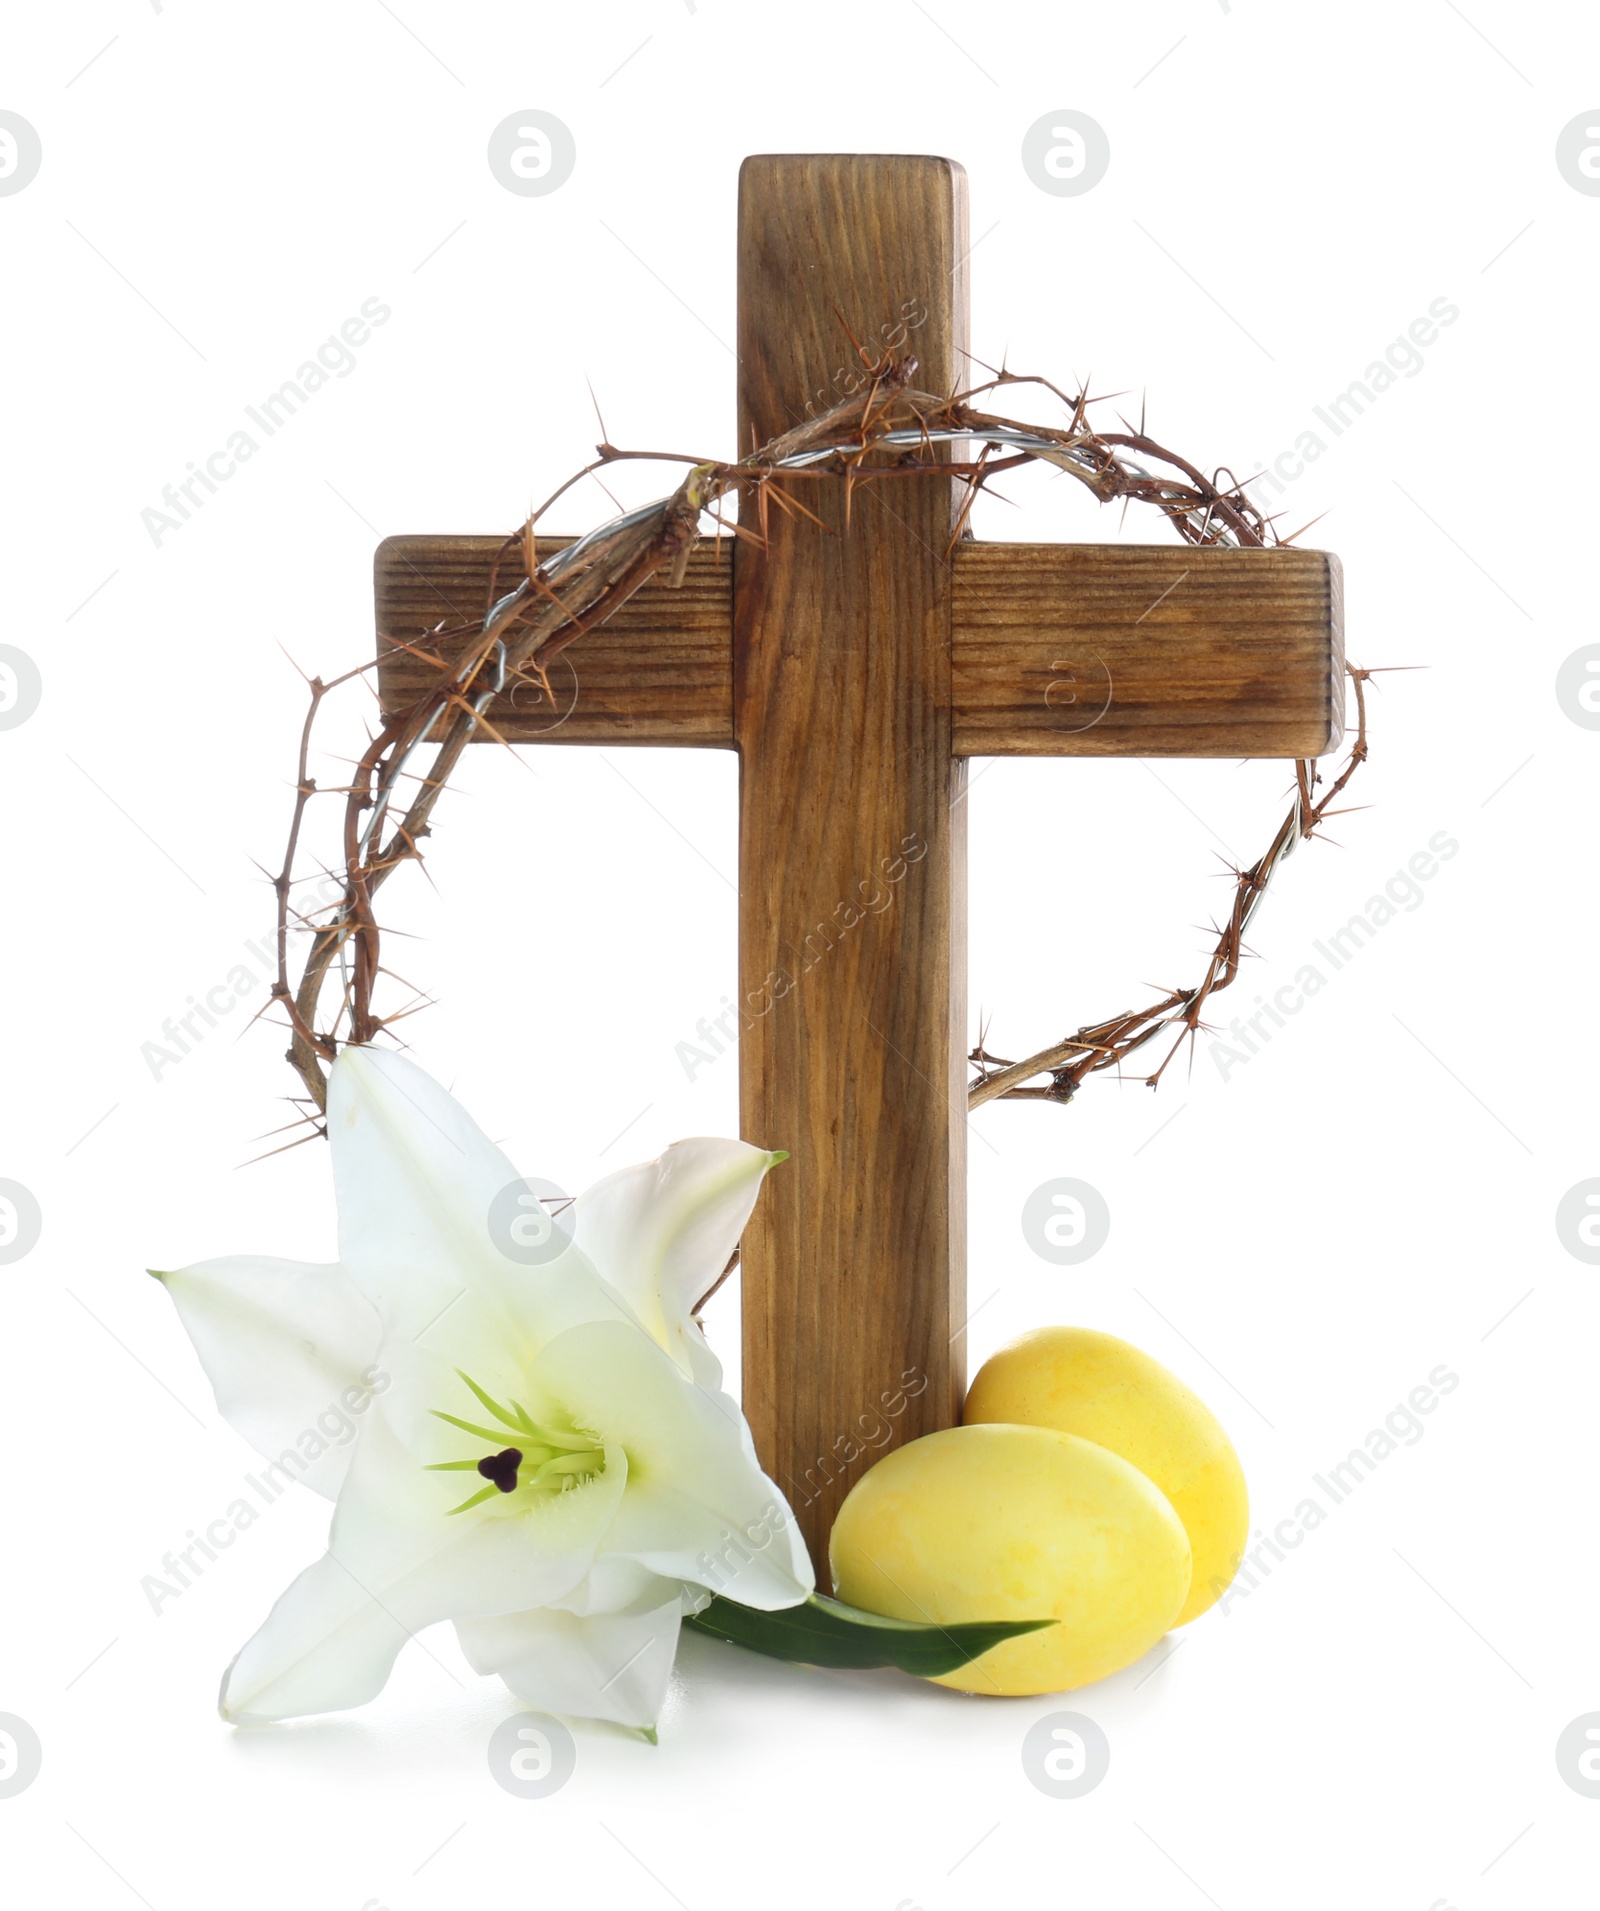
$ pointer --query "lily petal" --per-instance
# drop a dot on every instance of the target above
(396, 1562)
(698, 1507)
(612, 1665)
(417, 1181)
(661, 1233)
(289, 1350)
(326, 1646)
(754, 1555)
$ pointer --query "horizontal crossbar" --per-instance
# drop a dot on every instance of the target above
(1056, 650)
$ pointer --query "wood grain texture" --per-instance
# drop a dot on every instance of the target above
(852, 929)
(1146, 650)
(660, 671)
(1204, 652)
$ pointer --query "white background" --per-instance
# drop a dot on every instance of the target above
(1303, 1241)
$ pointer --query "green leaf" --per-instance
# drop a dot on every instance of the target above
(827, 1632)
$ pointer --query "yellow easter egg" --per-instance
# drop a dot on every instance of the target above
(1016, 1522)
(1096, 1386)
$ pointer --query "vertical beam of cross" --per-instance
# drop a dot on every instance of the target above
(852, 932)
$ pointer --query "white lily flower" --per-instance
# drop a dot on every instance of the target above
(542, 1452)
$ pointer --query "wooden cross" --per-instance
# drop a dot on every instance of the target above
(855, 674)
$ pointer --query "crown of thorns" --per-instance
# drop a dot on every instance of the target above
(885, 431)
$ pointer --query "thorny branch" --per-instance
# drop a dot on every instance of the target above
(886, 431)
(1107, 1043)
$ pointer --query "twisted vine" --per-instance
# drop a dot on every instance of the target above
(886, 431)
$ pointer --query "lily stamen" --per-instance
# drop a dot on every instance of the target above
(554, 1458)
(501, 1468)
